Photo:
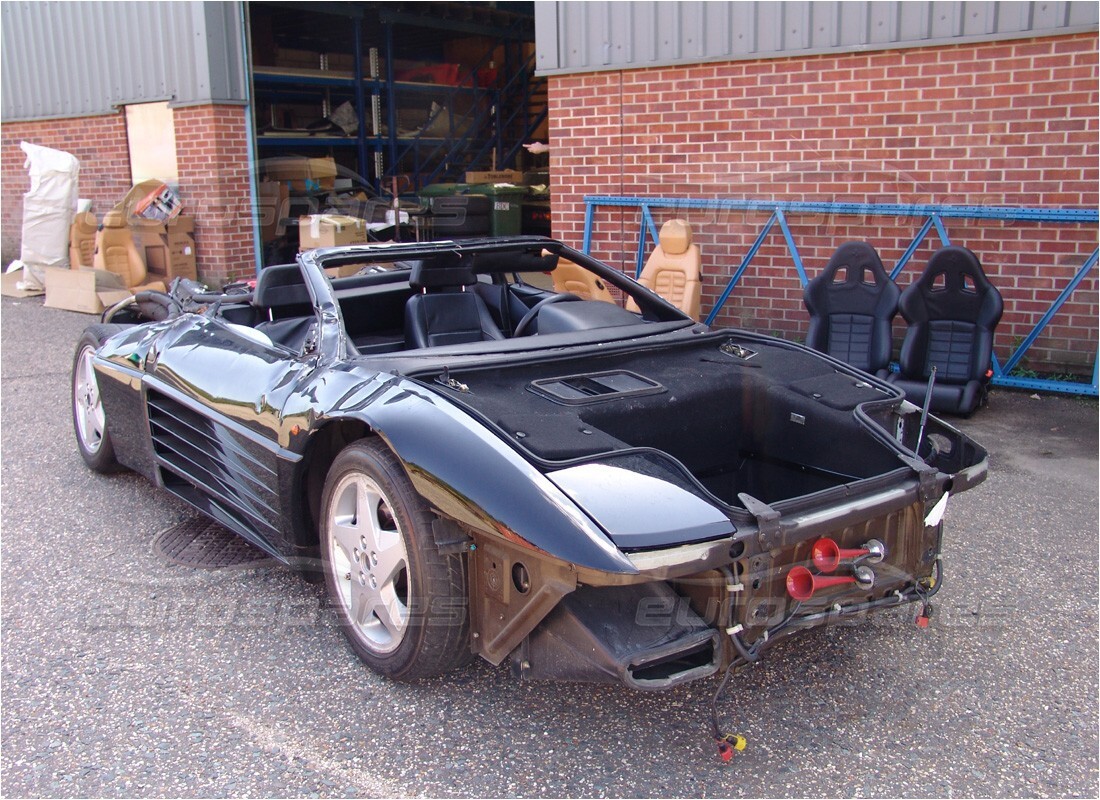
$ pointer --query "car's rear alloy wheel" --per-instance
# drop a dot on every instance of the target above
(89, 418)
(400, 602)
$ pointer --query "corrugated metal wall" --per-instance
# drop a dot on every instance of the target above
(589, 36)
(65, 59)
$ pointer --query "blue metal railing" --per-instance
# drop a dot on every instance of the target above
(933, 215)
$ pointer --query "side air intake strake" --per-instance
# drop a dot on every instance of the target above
(211, 467)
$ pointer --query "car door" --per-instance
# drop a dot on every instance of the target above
(215, 396)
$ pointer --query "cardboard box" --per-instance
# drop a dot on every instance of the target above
(154, 249)
(470, 51)
(181, 257)
(299, 59)
(495, 176)
(292, 172)
(181, 224)
(322, 171)
(343, 271)
(85, 289)
(274, 207)
(168, 249)
(442, 74)
(302, 174)
(156, 262)
(329, 230)
(8, 286)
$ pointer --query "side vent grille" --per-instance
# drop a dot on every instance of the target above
(214, 462)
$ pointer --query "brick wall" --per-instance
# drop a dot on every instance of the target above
(1002, 123)
(100, 144)
(212, 154)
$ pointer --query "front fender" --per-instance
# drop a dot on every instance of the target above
(470, 475)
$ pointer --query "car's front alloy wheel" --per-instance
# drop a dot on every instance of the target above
(401, 603)
(89, 417)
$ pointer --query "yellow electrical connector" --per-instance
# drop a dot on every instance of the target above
(729, 743)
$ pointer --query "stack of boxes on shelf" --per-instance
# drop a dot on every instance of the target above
(329, 230)
(292, 177)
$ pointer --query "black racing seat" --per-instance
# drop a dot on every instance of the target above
(444, 312)
(952, 311)
(284, 306)
(850, 318)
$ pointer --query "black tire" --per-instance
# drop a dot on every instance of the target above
(404, 614)
(93, 440)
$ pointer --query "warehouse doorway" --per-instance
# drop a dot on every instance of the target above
(361, 108)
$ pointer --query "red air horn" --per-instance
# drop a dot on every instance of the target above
(827, 554)
(801, 583)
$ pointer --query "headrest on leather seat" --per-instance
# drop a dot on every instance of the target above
(441, 273)
(860, 261)
(281, 285)
(85, 221)
(954, 262)
(675, 237)
(923, 300)
(114, 219)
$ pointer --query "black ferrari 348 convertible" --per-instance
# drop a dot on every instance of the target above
(481, 466)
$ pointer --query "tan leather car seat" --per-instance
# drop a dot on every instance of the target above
(116, 251)
(570, 277)
(674, 269)
(82, 240)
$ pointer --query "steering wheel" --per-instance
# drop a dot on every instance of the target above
(529, 317)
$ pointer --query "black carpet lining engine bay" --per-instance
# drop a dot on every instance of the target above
(766, 420)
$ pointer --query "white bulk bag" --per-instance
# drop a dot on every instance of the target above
(47, 212)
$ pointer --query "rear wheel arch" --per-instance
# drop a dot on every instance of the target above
(321, 450)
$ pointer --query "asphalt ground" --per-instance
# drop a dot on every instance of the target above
(125, 676)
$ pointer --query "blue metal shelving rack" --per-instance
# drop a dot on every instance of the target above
(494, 119)
(933, 216)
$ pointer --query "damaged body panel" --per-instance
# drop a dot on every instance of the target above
(626, 497)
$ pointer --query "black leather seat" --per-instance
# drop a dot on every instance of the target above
(445, 312)
(850, 319)
(284, 306)
(952, 311)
